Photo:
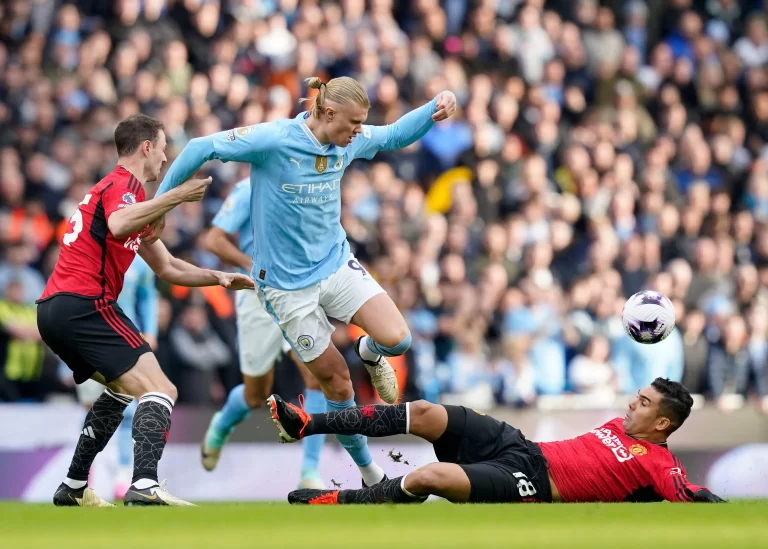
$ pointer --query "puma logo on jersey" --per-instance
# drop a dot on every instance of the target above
(297, 162)
(133, 244)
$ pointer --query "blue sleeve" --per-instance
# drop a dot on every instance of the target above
(234, 212)
(409, 129)
(250, 144)
(146, 298)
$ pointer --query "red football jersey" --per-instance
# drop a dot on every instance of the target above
(608, 465)
(93, 262)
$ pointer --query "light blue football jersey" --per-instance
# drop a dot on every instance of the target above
(296, 189)
(234, 216)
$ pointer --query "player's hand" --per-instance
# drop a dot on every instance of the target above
(235, 281)
(446, 106)
(193, 190)
(154, 231)
(704, 496)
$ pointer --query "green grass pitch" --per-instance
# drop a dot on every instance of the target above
(438, 525)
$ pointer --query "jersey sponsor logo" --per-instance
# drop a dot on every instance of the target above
(321, 163)
(129, 198)
(339, 163)
(614, 443)
(676, 471)
(242, 132)
(638, 450)
(311, 188)
(133, 243)
(306, 342)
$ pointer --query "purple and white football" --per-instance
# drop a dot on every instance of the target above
(648, 317)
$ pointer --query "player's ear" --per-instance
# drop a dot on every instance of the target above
(146, 147)
(330, 112)
(663, 423)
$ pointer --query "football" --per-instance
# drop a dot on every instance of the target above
(648, 317)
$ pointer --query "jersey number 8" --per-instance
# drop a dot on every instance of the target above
(77, 223)
(524, 486)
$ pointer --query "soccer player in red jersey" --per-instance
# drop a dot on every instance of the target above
(80, 320)
(482, 460)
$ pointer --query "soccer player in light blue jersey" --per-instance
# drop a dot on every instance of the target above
(260, 343)
(302, 265)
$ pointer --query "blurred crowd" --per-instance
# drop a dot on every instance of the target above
(600, 148)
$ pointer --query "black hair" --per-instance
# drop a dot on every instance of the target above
(676, 402)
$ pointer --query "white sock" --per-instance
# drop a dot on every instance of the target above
(372, 473)
(365, 352)
(75, 484)
(144, 483)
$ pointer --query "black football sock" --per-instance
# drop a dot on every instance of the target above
(101, 422)
(377, 420)
(388, 491)
(151, 425)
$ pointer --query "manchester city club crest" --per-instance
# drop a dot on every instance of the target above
(321, 163)
(306, 342)
(339, 163)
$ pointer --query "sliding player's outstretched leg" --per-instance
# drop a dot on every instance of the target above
(446, 480)
(332, 374)
(101, 422)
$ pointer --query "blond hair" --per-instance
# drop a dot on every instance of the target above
(343, 90)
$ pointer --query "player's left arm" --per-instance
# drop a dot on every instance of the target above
(672, 484)
(175, 271)
(407, 130)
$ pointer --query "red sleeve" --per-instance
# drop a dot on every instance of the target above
(119, 195)
(670, 481)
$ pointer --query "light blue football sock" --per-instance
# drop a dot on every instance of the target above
(235, 411)
(125, 437)
(355, 445)
(314, 403)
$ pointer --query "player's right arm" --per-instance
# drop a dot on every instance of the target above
(179, 272)
(132, 219)
(228, 221)
(250, 144)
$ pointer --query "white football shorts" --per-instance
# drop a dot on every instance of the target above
(303, 314)
(259, 339)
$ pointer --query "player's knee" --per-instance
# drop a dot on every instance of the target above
(427, 479)
(395, 343)
(169, 389)
(418, 411)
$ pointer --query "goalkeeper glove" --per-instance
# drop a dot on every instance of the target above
(703, 495)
